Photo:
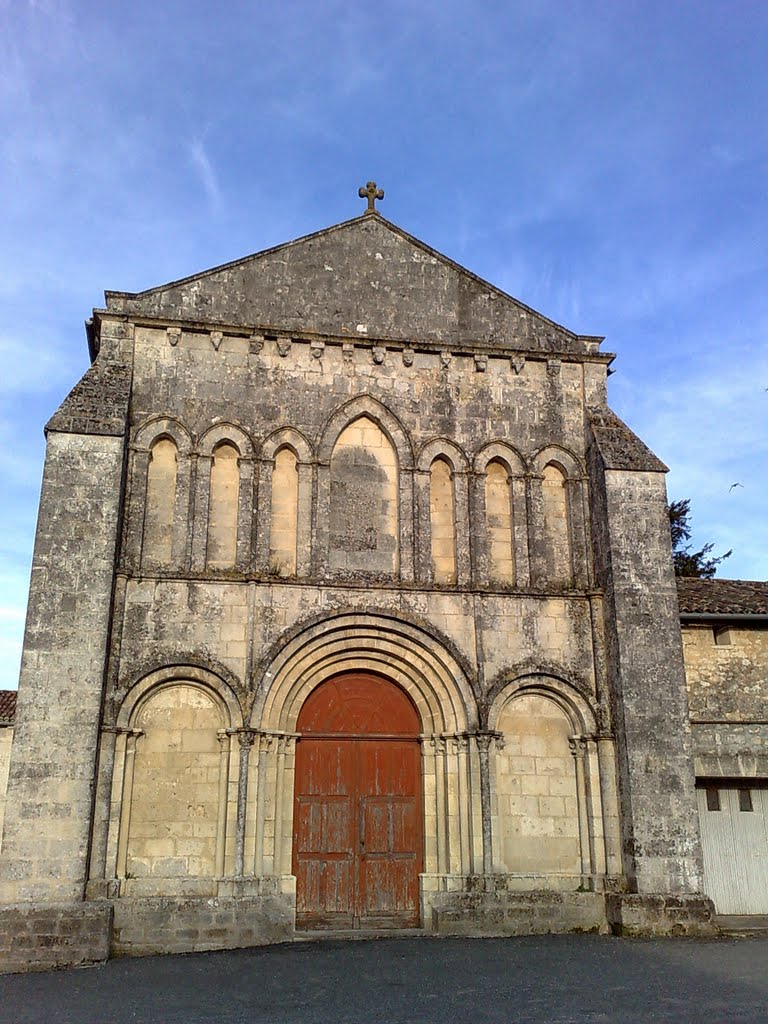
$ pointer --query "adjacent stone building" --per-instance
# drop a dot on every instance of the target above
(352, 607)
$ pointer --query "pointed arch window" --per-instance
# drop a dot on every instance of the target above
(283, 533)
(559, 566)
(364, 517)
(159, 517)
(223, 507)
(442, 509)
(499, 523)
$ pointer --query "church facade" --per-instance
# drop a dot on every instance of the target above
(352, 607)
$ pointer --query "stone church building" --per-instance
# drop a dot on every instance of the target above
(352, 607)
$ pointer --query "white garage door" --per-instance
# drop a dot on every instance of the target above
(734, 835)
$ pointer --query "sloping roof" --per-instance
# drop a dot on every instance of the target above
(7, 705)
(363, 277)
(722, 597)
(620, 447)
(97, 404)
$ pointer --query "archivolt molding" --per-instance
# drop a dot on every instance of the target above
(554, 454)
(567, 697)
(158, 427)
(500, 451)
(441, 447)
(173, 675)
(390, 646)
(365, 405)
(226, 433)
(287, 437)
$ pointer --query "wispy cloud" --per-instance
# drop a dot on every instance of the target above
(202, 164)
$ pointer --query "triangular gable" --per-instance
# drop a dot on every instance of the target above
(362, 278)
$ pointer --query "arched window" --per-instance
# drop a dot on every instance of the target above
(283, 529)
(222, 507)
(442, 522)
(556, 526)
(498, 510)
(159, 516)
(364, 520)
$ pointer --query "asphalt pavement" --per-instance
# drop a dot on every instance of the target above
(552, 979)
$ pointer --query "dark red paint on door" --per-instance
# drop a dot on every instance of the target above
(358, 806)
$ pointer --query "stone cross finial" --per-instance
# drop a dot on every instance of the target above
(371, 193)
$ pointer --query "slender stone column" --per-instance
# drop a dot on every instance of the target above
(136, 503)
(407, 523)
(462, 529)
(577, 746)
(304, 519)
(243, 547)
(536, 531)
(245, 738)
(262, 521)
(221, 821)
(265, 743)
(423, 527)
(479, 528)
(483, 741)
(100, 835)
(126, 803)
(201, 505)
(277, 866)
(520, 517)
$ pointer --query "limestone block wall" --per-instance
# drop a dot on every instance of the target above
(48, 811)
(661, 846)
(726, 668)
(6, 739)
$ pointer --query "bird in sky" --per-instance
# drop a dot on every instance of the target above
(734, 485)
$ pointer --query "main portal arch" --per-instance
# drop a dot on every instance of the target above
(419, 671)
(358, 818)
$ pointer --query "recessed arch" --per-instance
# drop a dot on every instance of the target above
(500, 451)
(442, 448)
(567, 696)
(569, 464)
(365, 405)
(157, 427)
(287, 437)
(206, 680)
(226, 433)
(408, 655)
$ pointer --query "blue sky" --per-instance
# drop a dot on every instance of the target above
(605, 162)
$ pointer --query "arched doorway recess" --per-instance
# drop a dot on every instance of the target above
(358, 831)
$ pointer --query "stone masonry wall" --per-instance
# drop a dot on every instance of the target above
(659, 817)
(728, 694)
(6, 740)
(48, 812)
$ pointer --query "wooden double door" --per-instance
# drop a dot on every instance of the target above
(358, 836)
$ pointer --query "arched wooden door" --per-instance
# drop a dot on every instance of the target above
(357, 841)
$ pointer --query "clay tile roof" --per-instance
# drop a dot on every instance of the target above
(722, 597)
(7, 705)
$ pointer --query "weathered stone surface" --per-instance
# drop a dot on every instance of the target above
(50, 788)
(643, 914)
(41, 936)
(166, 925)
(619, 447)
(519, 913)
(447, 501)
(98, 403)
(365, 277)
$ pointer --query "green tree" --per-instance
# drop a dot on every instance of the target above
(687, 561)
